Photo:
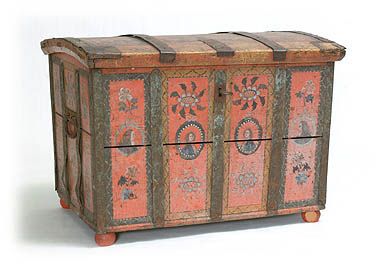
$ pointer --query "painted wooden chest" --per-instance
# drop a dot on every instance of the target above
(178, 130)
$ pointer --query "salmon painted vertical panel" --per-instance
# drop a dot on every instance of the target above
(188, 104)
(127, 128)
(188, 179)
(188, 99)
(300, 170)
(129, 182)
(87, 172)
(127, 112)
(246, 170)
(304, 104)
(246, 175)
(303, 122)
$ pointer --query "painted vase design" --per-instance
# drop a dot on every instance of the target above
(301, 168)
(126, 182)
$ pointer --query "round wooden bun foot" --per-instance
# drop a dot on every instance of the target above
(311, 217)
(104, 240)
(63, 204)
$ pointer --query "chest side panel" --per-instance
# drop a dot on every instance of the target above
(308, 97)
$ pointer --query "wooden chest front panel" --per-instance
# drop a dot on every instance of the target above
(187, 106)
(247, 139)
(127, 146)
(307, 108)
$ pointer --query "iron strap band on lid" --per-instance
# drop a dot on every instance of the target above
(279, 52)
(167, 54)
(222, 50)
(315, 37)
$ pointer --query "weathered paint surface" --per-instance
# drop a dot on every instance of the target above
(246, 156)
(56, 80)
(129, 182)
(300, 170)
(127, 112)
(86, 172)
(187, 172)
(303, 121)
(304, 104)
(85, 102)
(60, 155)
(128, 161)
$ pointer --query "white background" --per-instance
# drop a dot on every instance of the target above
(351, 229)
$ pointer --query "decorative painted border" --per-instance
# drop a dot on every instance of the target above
(245, 71)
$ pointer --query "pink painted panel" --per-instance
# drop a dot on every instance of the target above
(188, 103)
(188, 177)
(127, 112)
(300, 169)
(246, 173)
(129, 182)
(304, 104)
(249, 105)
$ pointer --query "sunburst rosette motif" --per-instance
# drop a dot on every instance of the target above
(188, 100)
(250, 93)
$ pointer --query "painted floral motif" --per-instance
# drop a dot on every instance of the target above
(127, 101)
(249, 93)
(301, 168)
(245, 182)
(190, 184)
(126, 182)
(188, 101)
(306, 92)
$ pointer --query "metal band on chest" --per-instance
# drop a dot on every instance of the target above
(279, 52)
(315, 37)
(167, 54)
(222, 50)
